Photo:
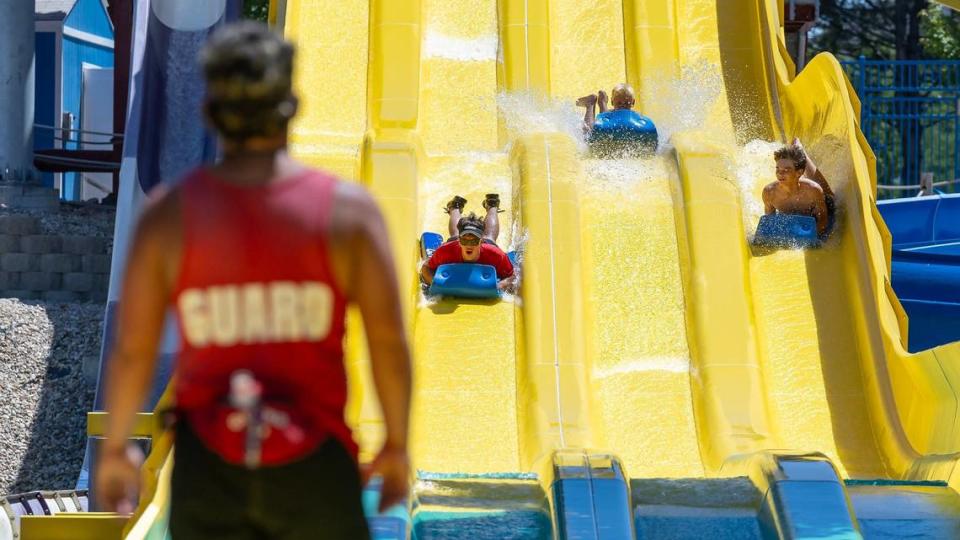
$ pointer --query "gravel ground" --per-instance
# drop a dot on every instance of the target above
(44, 391)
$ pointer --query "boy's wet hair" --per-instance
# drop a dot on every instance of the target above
(249, 71)
(794, 154)
(469, 219)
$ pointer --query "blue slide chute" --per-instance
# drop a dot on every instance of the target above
(926, 265)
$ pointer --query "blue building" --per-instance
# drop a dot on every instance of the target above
(74, 72)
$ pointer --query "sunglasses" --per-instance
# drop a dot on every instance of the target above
(470, 241)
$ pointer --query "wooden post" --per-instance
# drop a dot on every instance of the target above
(121, 12)
(926, 183)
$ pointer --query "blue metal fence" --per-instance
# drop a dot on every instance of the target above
(911, 116)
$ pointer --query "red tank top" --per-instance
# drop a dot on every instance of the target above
(256, 292)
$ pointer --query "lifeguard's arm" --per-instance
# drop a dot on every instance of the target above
(373, 287)
(141, 311)
(768, 207)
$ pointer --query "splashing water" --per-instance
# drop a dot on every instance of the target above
(478, 49)
(619, 177)
(525, 113)
(753, 168)
(682, 102)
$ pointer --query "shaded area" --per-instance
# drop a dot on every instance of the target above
(906, 511)
(54, 425)
(480, 509)
(840, 365)
(695, 508)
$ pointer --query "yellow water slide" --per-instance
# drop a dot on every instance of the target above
(795, 350)
(647, 326)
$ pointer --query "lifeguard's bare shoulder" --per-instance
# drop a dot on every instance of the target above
(161, 210)
(354, 212)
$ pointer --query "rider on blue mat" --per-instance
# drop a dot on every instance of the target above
(800, 188)
(621, 131)
(473, 240)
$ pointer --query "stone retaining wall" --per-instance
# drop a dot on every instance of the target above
(56, 268)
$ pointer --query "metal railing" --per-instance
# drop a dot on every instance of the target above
(910, 115)
(62, 134)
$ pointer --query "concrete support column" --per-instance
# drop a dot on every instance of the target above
(16, 88)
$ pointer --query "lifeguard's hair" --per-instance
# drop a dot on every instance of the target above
(249, 71)
(794, 154)
(470, 218)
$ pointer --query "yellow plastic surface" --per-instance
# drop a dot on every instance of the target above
(144, 426)
(648, 327)
(72, 526)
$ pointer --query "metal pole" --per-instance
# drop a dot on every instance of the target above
(861, 90)
(121, 13)
(16, 89)
(956, 142)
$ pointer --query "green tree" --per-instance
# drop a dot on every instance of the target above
(886, 29)
(256, 9)
(940, 32)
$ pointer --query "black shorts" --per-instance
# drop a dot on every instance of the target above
(315, 497)
(485, 240)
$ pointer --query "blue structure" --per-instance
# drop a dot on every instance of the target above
(465, 280)
(590, 497)
(71, 35)
(623, 133)
(926, 265)
(910, 117)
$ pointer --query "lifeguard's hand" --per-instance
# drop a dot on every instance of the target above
(393, 465)
(117, 479)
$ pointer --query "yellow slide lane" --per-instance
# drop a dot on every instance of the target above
(796, 350)
(633, 312)
(465, 414)
(840, 379)
(331, 81)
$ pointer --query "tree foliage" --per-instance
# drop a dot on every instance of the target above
(256, 9)
(886, 29)
(940, 32)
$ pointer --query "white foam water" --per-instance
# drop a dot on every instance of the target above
(682, 102)
(478, 49)
(753, 168)
(525, 113)
(669, 364)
